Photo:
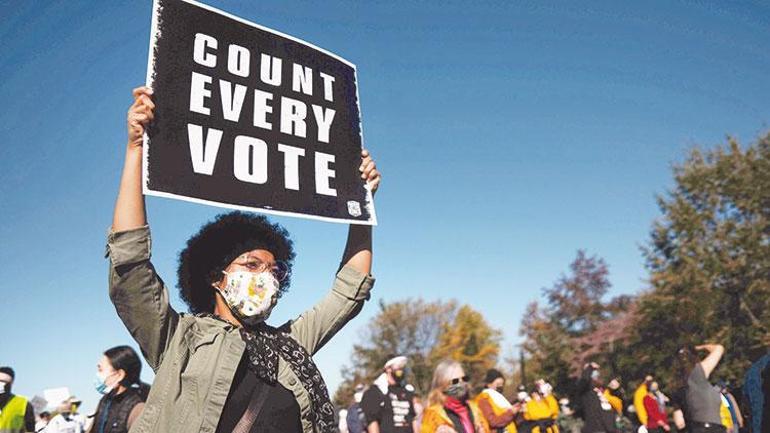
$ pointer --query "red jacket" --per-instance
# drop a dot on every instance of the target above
(655, 417)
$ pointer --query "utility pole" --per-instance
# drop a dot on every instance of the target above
(521, 368)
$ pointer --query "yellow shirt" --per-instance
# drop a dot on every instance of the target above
(641, 412)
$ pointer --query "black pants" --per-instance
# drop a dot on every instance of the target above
(706, 428)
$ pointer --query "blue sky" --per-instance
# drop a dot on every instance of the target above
(509, 135)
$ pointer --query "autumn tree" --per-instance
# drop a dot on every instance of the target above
(412, 328)
(562, 334)
(470, 340)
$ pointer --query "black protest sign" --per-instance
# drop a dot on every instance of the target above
(250, 118)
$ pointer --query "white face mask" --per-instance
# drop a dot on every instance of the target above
(2, 387)
(250, 295)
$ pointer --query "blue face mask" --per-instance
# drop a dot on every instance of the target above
(100, 384)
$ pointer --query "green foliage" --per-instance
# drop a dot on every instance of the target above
(709, 260)
(709, 264)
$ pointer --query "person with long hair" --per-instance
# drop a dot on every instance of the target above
(222, 368)
(449, 408)
(701, 402)
(123, 393)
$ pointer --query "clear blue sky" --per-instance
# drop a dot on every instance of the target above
(509, 134)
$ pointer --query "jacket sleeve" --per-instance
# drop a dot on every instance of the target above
(343, 302)
(494, 420)
(139, 295)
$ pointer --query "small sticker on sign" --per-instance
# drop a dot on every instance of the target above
(354, 208)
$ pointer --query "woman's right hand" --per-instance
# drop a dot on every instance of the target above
(140, 114)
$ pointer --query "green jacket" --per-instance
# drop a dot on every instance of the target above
(194, 358)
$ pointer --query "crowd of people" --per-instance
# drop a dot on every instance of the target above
(591, 405)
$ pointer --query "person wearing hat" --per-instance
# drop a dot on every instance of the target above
(65, 421)
(498, 411)
(221, 368)
(388, 405)
(16, 412)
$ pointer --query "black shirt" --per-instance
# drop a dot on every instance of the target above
(393, 412)
(29, 416)
(280, 412)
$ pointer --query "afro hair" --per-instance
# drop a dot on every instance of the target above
(217, 244)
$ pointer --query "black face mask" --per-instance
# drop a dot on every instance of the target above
(499, 389)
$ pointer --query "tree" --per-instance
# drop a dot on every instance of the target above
(709, 260)
(569, 330)
(411, 328)
(471, 341)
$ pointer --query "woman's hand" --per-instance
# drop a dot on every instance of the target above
(140, 114)
(369, 171)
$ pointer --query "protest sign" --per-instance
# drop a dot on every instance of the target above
(250, 118)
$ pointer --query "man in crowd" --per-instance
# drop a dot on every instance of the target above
(16, 413)
(388, 405)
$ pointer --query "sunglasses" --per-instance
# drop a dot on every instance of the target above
(457, 380)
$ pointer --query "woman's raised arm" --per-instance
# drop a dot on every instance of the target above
(129, 207)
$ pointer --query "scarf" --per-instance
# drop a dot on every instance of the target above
(265, 345)
(461, 409)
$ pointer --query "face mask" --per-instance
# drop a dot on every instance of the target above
(399, 376)
(100, 383)
(250, 295)
(458, 391)
(499, 389)
(2, 387)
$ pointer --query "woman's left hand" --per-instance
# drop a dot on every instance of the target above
(369, 171)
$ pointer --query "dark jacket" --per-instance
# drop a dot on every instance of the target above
(597, 412)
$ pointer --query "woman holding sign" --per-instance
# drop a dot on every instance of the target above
(221, 368)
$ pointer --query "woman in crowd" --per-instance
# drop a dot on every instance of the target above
(497, 410)
(449, 408)
(117, 379)
(700, 410)
(657, 420)
(222, 369)
(540, 413)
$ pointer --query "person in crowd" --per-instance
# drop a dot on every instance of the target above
(222, 368)
(700, 403)
(614, 394)
(388, 405)
(16, 412)
(497, 410)
(546, 391)
(449, 407)
(355, 419)
(639, 394)
(342, 419)
(65, 420)
(732, 418)
(540, 413)
(523, 425)
(598, 415)
(123, 393)
(657, 420)
(756, 388)
(42, 420)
